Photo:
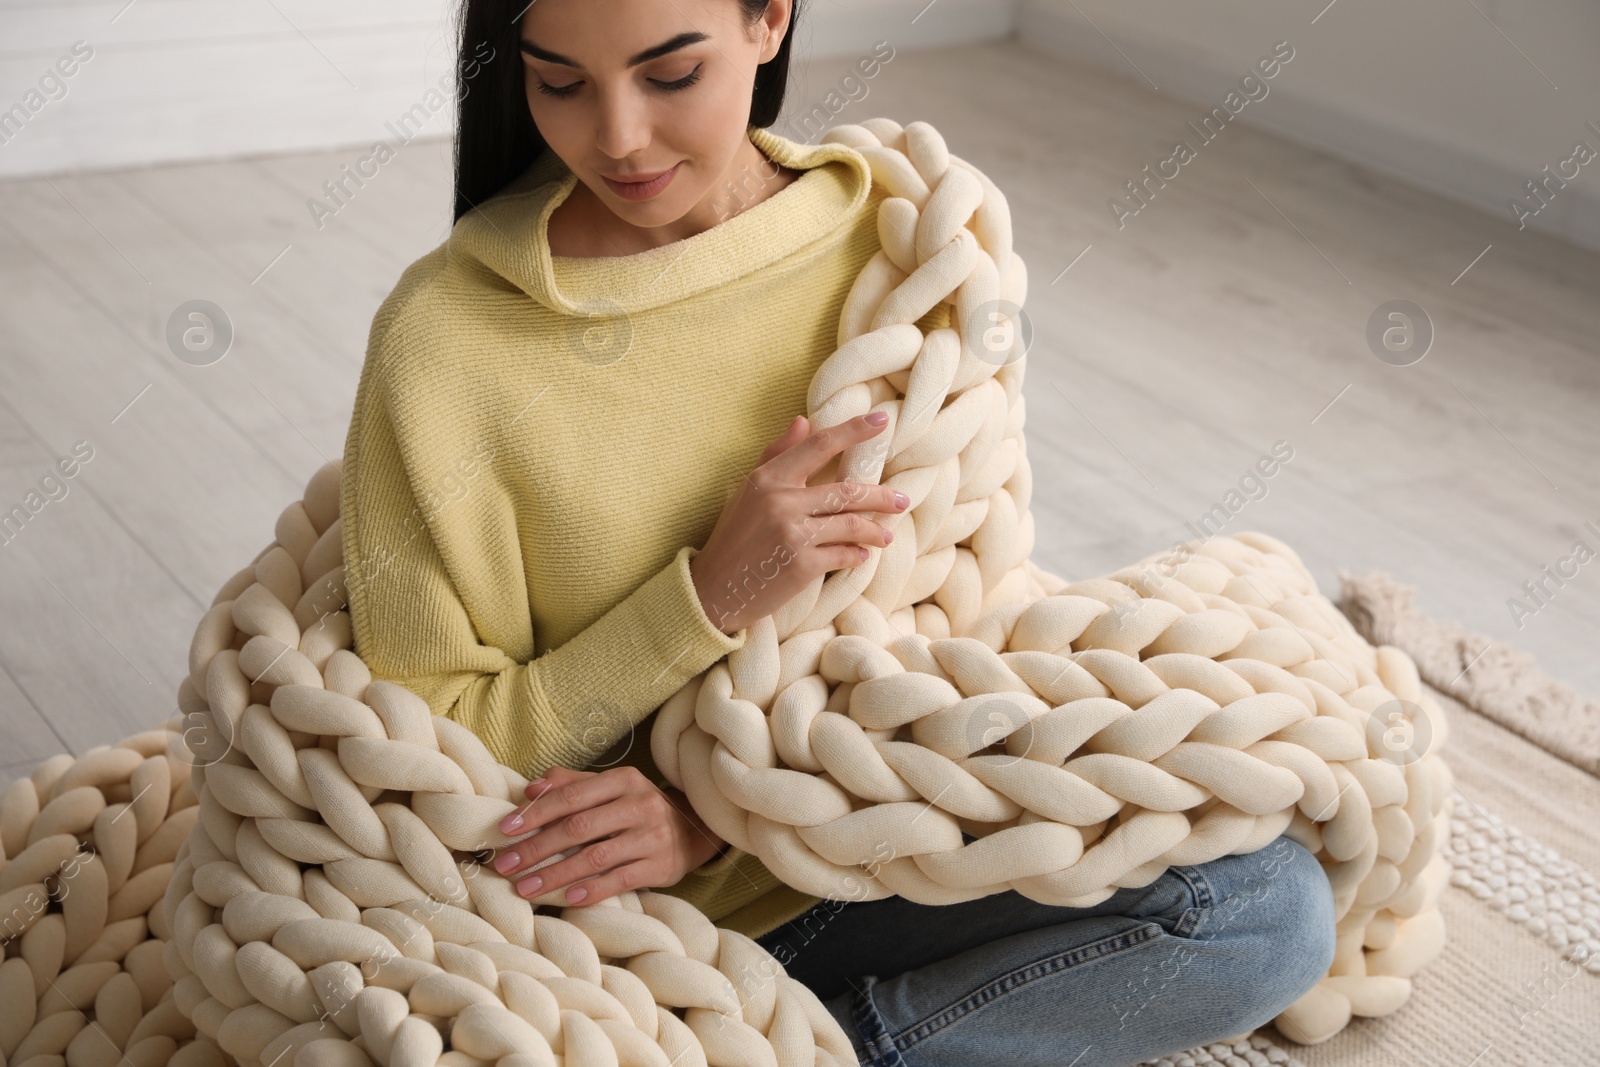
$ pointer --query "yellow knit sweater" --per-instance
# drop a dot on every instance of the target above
(540, 444)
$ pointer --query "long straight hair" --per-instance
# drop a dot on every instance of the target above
(496, 139)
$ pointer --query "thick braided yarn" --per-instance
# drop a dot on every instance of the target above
(290, 871)
(948, 720)
(88, 846)
(331, 907)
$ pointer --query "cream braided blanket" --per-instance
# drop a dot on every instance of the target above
(291, 871)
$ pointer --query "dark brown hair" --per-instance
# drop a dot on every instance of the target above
(496, 139)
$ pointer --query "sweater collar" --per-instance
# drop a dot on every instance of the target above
(507, 233)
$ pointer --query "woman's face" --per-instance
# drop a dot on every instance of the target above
(624, 89)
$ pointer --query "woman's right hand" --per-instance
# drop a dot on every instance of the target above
(776, 534)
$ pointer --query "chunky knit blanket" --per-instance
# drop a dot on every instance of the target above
(290, 872)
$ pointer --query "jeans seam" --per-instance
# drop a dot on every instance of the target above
(1015, 979)
(1204, 897)
(873, 1031)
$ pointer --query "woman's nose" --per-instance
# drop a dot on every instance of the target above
(622, 126)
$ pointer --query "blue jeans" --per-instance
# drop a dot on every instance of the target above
(1200, 954)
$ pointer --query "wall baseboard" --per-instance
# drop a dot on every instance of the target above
(1476, 180)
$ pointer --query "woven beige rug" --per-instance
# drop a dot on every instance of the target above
(1489, 676)
(1518, 983)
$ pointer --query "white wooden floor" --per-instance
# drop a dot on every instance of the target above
(1229, 314)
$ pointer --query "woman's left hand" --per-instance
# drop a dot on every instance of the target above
(641, 837)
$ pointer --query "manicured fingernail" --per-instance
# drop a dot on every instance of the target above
(877, 418)
(506, 862)
(511, 823)
(576, 894)
(900, 499)
(888, 536)
(530, 885)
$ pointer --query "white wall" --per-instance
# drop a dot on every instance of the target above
(194, 79)
(1469, 99)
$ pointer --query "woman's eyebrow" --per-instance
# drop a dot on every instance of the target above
(682, 40)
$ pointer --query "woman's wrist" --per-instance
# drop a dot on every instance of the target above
(706, 847)
(708, 606)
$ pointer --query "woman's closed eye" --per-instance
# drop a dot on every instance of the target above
(671, 87)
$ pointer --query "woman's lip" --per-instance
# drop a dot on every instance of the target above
(641, 190)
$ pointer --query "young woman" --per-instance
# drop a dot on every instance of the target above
(573, 440)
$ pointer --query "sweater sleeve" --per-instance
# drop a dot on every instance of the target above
(411, 626)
